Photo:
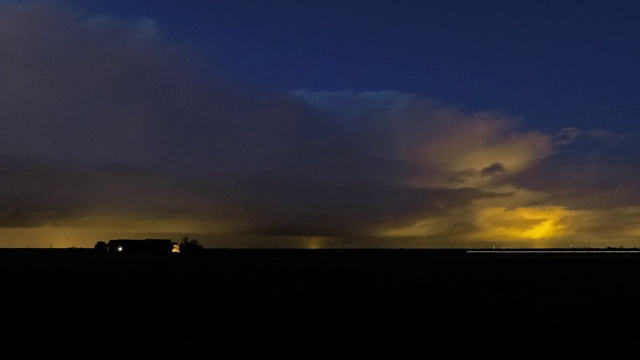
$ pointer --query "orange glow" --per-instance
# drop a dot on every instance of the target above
(523, 223)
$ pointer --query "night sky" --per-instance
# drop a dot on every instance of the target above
(403, 124)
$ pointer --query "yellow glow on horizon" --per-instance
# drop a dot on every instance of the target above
(49, 237)
(488, 221)
(315, 242)
(497, 224)
(75, 237)
(523, 223)
(547, 228)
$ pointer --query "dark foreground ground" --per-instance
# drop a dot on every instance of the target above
(444, 304)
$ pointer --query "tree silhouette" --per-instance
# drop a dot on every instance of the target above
(101, 246)
(189, 246)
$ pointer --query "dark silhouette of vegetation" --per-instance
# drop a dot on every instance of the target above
(101, 246)
(190, 246)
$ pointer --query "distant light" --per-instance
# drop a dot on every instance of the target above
(120, 248)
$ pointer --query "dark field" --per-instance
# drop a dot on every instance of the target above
(344, 303)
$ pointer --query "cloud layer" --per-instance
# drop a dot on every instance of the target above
(109, 129)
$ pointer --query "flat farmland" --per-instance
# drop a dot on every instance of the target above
(384, 298)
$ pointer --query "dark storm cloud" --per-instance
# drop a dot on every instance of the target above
(428, 143)
(104, 118)
(35, 192)
(493, 169)
(594, 170)
(39, 191)
(104, 89)
(341, 209)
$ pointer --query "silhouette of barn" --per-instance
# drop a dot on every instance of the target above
(139, 246)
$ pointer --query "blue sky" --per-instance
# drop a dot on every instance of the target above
(320, 123)
(556, 63)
